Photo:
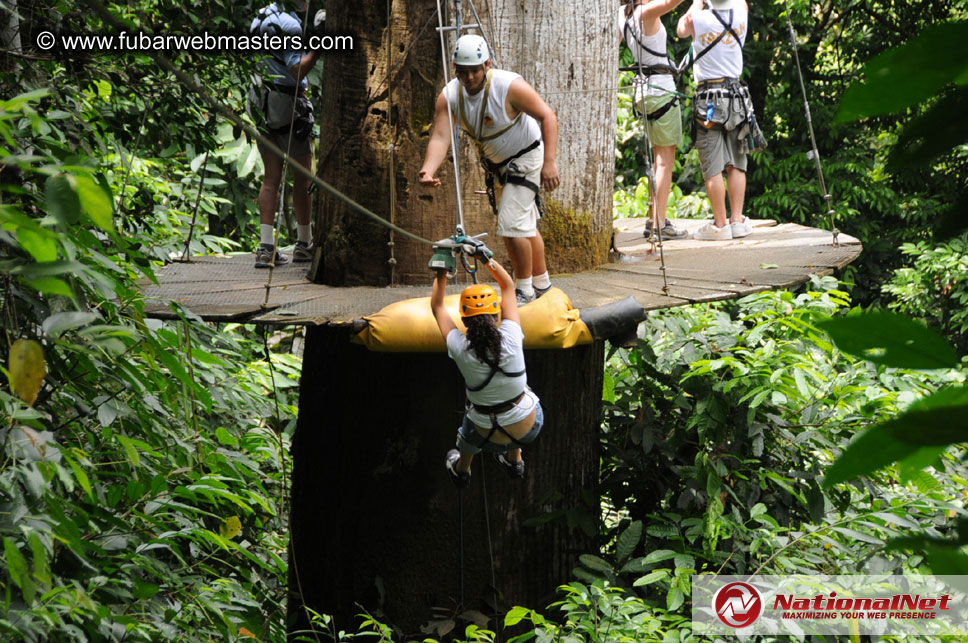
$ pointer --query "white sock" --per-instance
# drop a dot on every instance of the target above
(266, 234)
(542, 281)
(304, 233)
(524, 285)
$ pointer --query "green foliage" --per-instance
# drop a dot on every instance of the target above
(143, 491)
(719, 430)
(935, 287)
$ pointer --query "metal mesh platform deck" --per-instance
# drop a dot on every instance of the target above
(774, 257)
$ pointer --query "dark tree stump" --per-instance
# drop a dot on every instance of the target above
(375, 517)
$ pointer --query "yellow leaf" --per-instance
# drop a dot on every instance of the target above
(27, 369)
(244, 631)
(231, 528)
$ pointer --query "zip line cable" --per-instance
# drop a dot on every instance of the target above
(229, 115)
(813, 139)
(454, 137)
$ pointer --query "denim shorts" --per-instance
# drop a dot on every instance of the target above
(470, 441)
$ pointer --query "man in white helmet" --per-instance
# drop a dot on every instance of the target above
(517, 135)
(722, 110)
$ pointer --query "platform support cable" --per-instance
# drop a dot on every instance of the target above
(814, 152)
(198, 202)
(487, 524)
(392, 261)
(656, 237)
(280, 212)
(454, 136)
(460, 517)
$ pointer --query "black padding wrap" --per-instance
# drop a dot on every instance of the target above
(614, 321)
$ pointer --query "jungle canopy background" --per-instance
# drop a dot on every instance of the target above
(143, 478)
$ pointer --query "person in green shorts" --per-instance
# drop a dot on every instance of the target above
(641, 28)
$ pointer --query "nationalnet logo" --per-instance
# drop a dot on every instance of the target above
(824, 605)
(738, 604)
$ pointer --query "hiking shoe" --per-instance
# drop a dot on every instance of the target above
(710, 232)
(459, 478)
(538, 292)
(303, 252)
(670, 232)
(514, 469)
(742, 229)
(263, 257)
(522, 298)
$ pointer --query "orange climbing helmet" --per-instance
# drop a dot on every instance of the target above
(479, 299)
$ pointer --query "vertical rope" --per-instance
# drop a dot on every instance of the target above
(460, 514)
(282, 182)
(198, 202)
(454, 138)
(487, 524)
(813, 139)
(392, 261)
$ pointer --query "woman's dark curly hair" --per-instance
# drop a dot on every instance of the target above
(484, 337)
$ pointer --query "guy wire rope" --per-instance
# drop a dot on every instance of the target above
(392, 261)
(280, 212)
(813, 139)
(198, 202)
(454, 140)
(226, 113)
(649, 164)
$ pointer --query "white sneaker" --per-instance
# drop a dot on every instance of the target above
(742, 229)
(710, 232)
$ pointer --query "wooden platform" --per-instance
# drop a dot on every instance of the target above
(773, 257)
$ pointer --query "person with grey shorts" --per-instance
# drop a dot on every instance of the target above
(722, 110)
(279, 106)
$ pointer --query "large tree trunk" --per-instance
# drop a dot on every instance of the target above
(375, 519)
(374, 516)
(568, 56)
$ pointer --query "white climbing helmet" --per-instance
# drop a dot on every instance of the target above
(471, 50)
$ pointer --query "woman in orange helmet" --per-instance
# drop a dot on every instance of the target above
(503, 413)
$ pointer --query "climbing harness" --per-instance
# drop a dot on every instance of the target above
(813, 139)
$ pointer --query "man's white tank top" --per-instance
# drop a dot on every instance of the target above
(523, 133)
(656, 42)
(725, 59)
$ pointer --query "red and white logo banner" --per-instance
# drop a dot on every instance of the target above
(821, 605)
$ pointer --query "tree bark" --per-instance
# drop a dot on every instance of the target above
(569, 57)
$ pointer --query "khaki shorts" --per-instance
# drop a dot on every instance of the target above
(517, 213)
(718, 149)
(667, 129)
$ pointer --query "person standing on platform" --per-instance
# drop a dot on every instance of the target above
(641, 28)
(278, 105)
(517, 135)
(722, 110)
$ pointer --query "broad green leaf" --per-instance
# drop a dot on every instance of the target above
(658, 556)
(130, 450)
(922, 66)
(872, 450)
(39, 552)
(650, 578)
(17, 569)
(96, 203)
(674, 599)
(892, 340)
(17, 102)
(50, 286)
(144, 590)
(246, 163)
(41, 245)
(57, 323)
(627, 541)
(62, 200)
(226, 438)
(942, 127)
(81, 476)
(231, 528)
(515, 615)
(595, 563)
(27, 369)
